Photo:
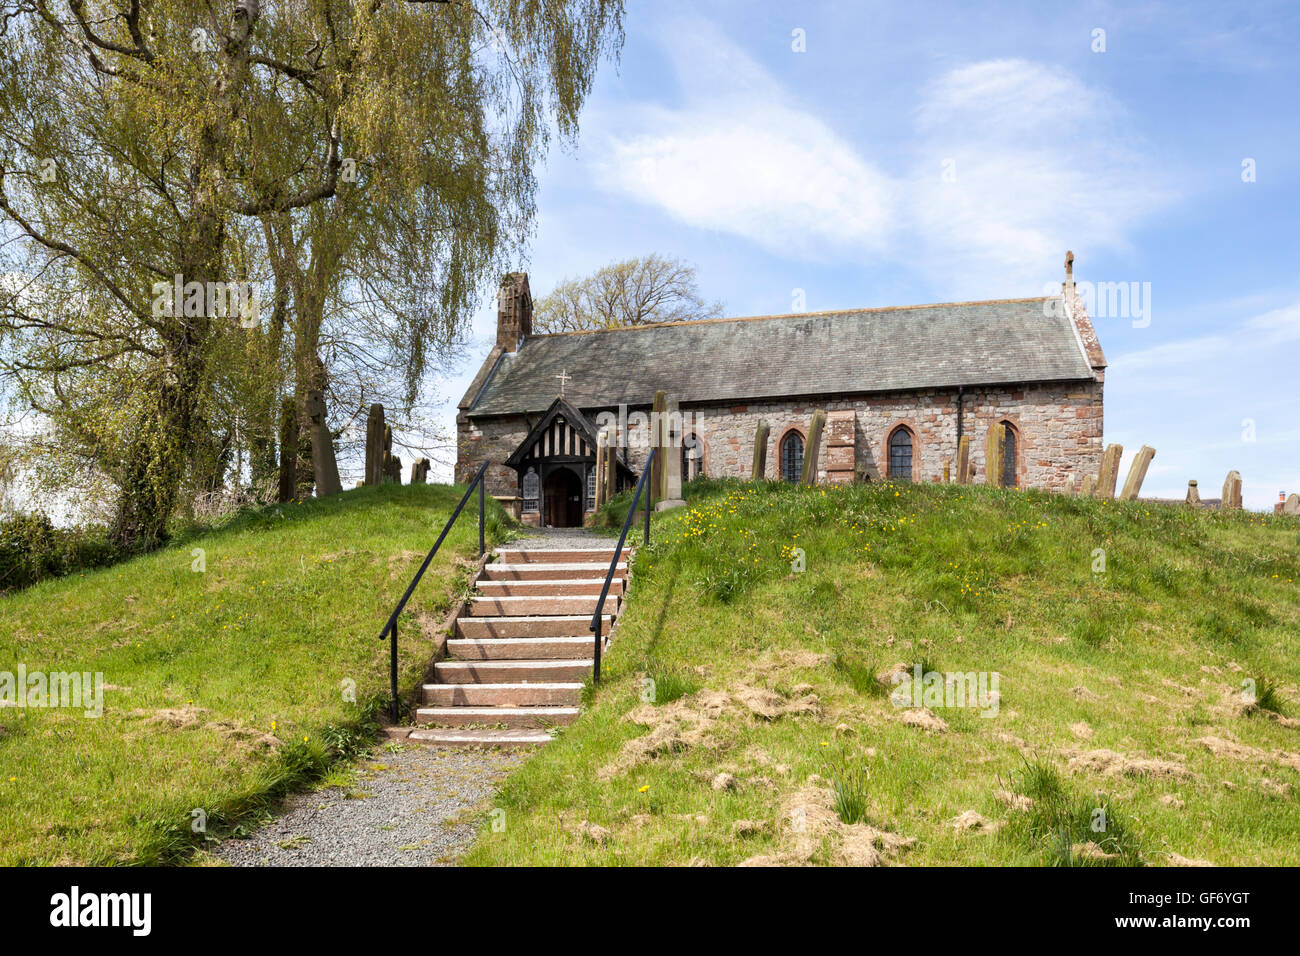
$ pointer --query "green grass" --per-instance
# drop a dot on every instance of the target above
(1146, 660)
(267, 664)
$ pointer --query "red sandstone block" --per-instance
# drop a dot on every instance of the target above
(839, 457)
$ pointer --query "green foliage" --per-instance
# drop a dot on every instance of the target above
(670, 683)
(32, 549)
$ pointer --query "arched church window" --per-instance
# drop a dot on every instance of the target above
(792, 457)
(531, 487)
(1008, 455)
(900, 455)
(591, 488)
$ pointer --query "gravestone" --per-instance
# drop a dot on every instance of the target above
(1231, 491)
(672, 445)
(375, 445)
(1109, 471)
(1193, 494)
(947, 470)
(611, 465)
(288, 451)
(656, 442)
(1292, 505)
(391, 467)
(1089, 486)
(1137, 473)
(760, 452)
(420, 471)
(963, 460)
(322, 447)
(993, 455)
(602, 445)
(813, 447)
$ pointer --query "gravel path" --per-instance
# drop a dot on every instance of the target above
(553, 538)
(413, 807)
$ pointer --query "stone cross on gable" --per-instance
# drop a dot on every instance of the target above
(564, 379)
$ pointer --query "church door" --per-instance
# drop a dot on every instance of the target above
(562, 492)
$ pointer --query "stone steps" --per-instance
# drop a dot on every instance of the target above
(512, 671)
(536, 571)
(564, 625)
(520, 650)
(548, 588)
(467, 716)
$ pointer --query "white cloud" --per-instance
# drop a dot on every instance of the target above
(1043, 163)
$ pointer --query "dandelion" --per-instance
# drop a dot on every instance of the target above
(643, 789)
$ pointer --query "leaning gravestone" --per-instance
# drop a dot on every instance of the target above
(963, 460)
(1137, 473)
(813, 447)
(1231, 492)
(1108, 474)
(375, 445)
(759, 471)
(993, 455)
(322, 447)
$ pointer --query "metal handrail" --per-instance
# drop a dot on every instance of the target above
(613, 564)
(390, 629)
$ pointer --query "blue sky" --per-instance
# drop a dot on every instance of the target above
(924, 153)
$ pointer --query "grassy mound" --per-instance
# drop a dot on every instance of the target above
(1145, 707)
(239, 665)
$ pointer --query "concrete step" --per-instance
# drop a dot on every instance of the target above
(521, 739)
(502, 672)
(520, 648)
(554, 694)
(550, 572)
(487, 716)
(556, 555)
(539, 606)
(554, 588)
(564, 625)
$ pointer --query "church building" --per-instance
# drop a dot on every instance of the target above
(901, 386)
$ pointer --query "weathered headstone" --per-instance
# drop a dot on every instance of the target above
(760, 452)
(420, 471)
(375, 445)
(1089, 486)
(672, 442)
(963, 460)
(657, 414)
(1231, 491)
(611, 465)
(602, 445)
(947, 470)
(1193, 493)
(1108, 474)
(288, 451)
(1292, 505)
(391, 465)
(812, 447)
(322, 447)
(1137, 473)
(993, 454)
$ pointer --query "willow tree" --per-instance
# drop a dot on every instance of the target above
(138, 136)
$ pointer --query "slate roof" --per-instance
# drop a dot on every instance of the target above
(853, 351)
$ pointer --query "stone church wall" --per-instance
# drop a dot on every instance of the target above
(1058, 430)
